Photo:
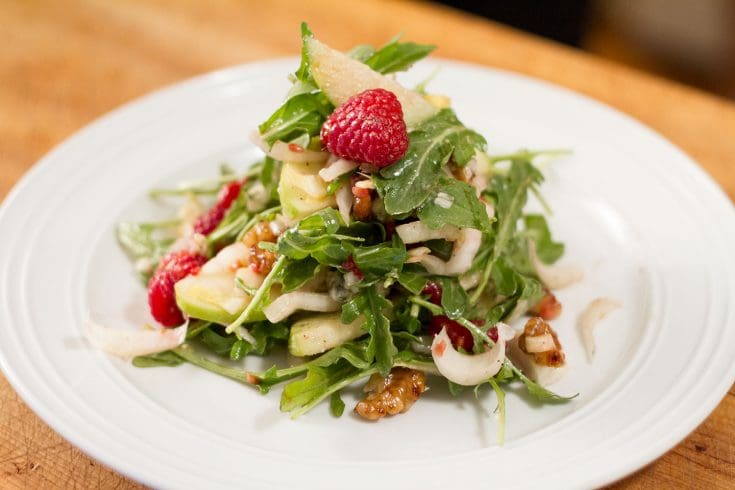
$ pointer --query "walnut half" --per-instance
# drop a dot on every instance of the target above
(392, 395)
(537, 327)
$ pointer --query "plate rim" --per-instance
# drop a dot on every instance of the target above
(210, 79)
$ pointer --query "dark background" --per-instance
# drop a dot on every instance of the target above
(691, 41)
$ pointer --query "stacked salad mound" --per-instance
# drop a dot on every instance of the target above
(377, 240)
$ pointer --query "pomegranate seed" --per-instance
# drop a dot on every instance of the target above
(434, 290)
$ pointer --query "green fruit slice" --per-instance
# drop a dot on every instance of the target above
(318, 333)
(302, 191)
(340, 77)
(212, 297)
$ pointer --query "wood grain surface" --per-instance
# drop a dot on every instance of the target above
(63, 63)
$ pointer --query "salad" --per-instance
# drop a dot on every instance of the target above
(377, 242)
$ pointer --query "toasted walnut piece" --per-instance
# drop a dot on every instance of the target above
(463, 173)
(392, 395)
(536, 327)
(548, 307)
(261, 261)
(362, 206)
(362, 199)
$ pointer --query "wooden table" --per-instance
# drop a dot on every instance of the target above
(63, 64)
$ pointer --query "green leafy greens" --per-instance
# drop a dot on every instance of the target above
(370, 287)
(407, 184)
(306, 108)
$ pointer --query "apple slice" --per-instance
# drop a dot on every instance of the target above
(320, 332)
(210, 296)
(213, 294)
(302, 191)
(340, 77)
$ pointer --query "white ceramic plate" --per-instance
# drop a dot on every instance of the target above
(650, 229)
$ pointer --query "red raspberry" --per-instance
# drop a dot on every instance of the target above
(161, 296)
(208, 221)
(368, 128)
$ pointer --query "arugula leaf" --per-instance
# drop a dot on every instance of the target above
(145, 241)
(412, 281)
(304, 71)
(351, 310)
(305, 109)
(454, 297)
(240, 349)
(322, 237)
(301, 114)
(314, 386)
(196, 327)
(517, 254)
(269, 174)
(441, 248)
(518, 291)
(336, 405)
(166, 358)
(465, 209)
(235, 219)
(315, 236)
(539, 392)
(190, 355)
(325, 221)
(405, 319)
(505, 374)
(547, 249)
(354, 353)
(219, 344)
(397, 56)
(298, 272)
(300, 396)
(500, 394)
(509, 194)
(380, 259)
(413, 360)
(266, 335)
(371, 305)
(455, 389)
(326, 249)
(407, 184)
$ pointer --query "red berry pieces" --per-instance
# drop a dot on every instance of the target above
(459, 335)
(207, 222)
(161, 296)
(493, 334)
(350, 266)
(548, 307)
(434, 290)
(368, 128)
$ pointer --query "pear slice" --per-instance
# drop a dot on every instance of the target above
(212, 294)
(318, 333)
(340, 77)
(302, 191)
